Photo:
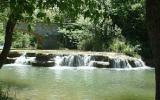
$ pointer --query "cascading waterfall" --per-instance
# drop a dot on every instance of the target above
(73, 60)
(23, 59)
(87, 60)
(126, 63)
(139, 63)
(120, 63)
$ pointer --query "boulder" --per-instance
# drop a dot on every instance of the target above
(136, 62)
(30, 55)
(101, 58)
(132, 62)
(14, 54)
(10, 60)
(100, 64)
(43, 64)
(43, 57)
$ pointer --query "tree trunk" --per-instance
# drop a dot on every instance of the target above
(153, 22)
(8, 39)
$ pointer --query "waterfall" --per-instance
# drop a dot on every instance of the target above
(126, 63)
(87, 60)
(23, 59)
(73, 60)
(119, 63)
(140, 63)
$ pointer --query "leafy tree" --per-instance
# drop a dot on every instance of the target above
(23, 40)
(129, 15)
(24, 10)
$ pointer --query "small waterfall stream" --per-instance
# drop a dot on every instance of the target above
(24, 60)
(73, 60)
(120, 63)
(86, 60)
(21, 59)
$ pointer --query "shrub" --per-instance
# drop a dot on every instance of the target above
(23, 40)
(87, 44)
(122, 47)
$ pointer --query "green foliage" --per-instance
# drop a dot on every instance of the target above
(129, 15)
(105, 33)
(84, 35)
(122, 47)
(1, 34)
(87, 44)
(97, 23)
(23, 40)
(74, 34)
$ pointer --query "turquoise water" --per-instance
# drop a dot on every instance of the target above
(64, 83)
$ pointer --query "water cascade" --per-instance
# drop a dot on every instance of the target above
(24, 60)
(73, 60)
(120, 63)
(21, 59)
(87, 60)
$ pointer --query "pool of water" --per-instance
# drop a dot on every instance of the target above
(64, 83)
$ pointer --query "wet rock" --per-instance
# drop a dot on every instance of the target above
(136, 62)
(101, 58)
(43, 60)
(30, 54)
(51, 57)
(132, 62)
(100, 64)
(43, 57)
(14, 54)
(10, 60)
(43, 64)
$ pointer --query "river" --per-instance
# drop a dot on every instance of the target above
(77, 83)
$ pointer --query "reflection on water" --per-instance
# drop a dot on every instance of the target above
(31, 83)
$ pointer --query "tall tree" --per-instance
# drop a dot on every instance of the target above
(15, 10)
(27, 10)
(153, 21)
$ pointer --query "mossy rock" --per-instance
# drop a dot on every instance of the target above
(101, 58)
(30, 54)
(14, 54)
(43, 57)
(43, 64)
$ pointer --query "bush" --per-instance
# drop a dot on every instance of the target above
(87, 44)
(122, 47)
(23, 40)
(74, 34)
